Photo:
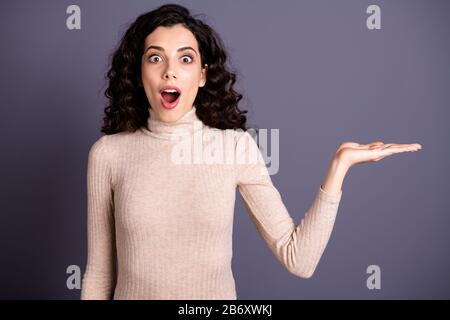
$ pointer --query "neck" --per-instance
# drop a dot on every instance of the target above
(186, 125)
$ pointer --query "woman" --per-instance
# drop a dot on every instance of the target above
(160, 208)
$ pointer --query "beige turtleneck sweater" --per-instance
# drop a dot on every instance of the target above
(161, 228)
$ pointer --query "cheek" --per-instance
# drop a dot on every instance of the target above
(193, 86)
(194, 80)
(150, 81)
(147, 74)
(148, 71)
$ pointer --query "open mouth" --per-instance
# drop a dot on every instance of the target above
(170, 96)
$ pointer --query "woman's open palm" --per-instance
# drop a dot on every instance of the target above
(354, 153)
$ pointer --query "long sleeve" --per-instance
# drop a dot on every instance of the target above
(298, 247)
(100, 274)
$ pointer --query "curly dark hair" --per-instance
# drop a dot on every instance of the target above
(128, 107)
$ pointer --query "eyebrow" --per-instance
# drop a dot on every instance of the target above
(162, 49)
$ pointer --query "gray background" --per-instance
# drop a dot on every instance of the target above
(311, 69)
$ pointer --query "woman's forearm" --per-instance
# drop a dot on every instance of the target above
(335, 175)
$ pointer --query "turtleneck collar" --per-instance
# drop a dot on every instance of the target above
(186, 125)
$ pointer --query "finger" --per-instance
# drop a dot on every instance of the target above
(382, 151)
(409, 147)
(386, 146)
(396, 146)
(376, 146)
(393, 149)
(369, 146)
(404, 145)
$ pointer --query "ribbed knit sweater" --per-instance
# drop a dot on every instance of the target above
(160, 219)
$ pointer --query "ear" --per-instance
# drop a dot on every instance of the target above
(203, 76)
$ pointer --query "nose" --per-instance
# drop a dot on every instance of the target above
(169, 73)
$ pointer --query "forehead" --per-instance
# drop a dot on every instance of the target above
(171, 37)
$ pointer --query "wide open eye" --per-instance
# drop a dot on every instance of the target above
(152, 56)
(189, 60)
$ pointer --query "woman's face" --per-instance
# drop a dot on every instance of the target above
(171, 58)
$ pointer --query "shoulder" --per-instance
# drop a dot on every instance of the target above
(243, 135)
(246, 140)
(99, 151)
(107, 146)
(244, 145)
